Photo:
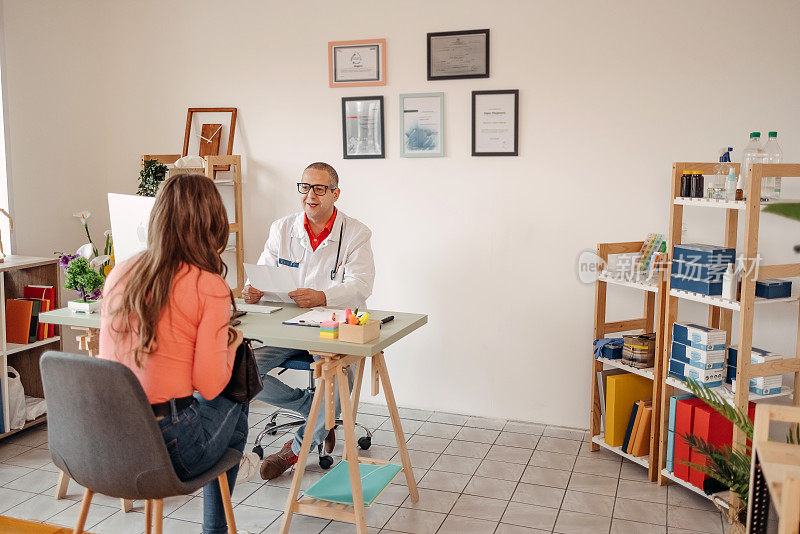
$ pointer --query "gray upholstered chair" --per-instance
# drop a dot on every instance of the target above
(103, 434)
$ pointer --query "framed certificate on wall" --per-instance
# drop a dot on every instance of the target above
(357, 63)
(460, 54)
(362, 127)
(422, 125)
(495, 123)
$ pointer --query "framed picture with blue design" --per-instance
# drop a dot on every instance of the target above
(422, 125)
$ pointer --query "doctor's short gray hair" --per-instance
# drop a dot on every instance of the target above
(321, 166)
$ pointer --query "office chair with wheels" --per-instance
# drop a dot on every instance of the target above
(302, 362)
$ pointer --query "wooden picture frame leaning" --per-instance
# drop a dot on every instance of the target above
(231, 130)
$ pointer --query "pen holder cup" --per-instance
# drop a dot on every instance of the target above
(365, 333)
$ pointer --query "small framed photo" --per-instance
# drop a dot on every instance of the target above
(457, 55)
(362, 127)
(357, 63)
(495, 123)
(422, 125)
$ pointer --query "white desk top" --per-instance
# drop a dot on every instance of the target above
(268, 328)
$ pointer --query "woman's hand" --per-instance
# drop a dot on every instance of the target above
(235, 337)
(251, 295)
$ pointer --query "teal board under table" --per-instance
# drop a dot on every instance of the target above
(335, 485)
(270, 330)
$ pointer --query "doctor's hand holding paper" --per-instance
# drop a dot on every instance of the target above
(329, 256)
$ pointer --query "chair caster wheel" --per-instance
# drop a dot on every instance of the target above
(365, 442)
(259, 450)
(271, 429)
(325, 462)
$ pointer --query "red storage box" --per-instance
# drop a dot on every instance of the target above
(684, 413)
(712, 427)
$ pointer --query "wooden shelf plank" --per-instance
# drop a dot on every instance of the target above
(728, 204)
(724, 495)
(13, 348)
(610, 279)
(727, 394)
(38, 421)
(647, 372)
(644, 461)
(724, 303)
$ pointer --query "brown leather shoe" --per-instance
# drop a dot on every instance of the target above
(330, 441)
(276, 464)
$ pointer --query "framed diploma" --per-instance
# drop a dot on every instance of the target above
(461, 54)
(357, 63)
(495, 123)
(362, 127)
(422, 125)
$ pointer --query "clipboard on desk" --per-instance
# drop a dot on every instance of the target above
(315, 316)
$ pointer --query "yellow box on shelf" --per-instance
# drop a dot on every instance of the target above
(621, 392)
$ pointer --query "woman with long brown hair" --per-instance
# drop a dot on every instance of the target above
(165, 316)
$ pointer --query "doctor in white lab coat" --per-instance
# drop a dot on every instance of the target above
(331, 258)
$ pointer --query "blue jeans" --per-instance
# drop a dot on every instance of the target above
(298, 400)
(196, 439)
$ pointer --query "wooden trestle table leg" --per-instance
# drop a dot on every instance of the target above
(302, 458)
(379, 361)
(352, 454)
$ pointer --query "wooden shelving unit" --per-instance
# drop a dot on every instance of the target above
(231, 166)
(653, 317)
(15, 273)
(721, 311)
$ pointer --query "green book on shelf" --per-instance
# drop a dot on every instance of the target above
(335, 485)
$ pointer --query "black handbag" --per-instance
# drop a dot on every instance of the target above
(245, 382)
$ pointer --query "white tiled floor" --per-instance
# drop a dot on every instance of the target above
(475, 475)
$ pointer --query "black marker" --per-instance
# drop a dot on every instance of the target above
(387, 319)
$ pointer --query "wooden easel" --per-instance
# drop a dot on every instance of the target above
(88, 340)
(330, 369)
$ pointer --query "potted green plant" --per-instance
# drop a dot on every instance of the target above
(81, 277)
(150, 178)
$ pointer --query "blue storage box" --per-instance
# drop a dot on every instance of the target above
(611, 352)
(699, 253)
(730, 375)
(710, 379)
(769, 390)
(700, 359)
(711, 272)
(773, 288)
(698, 336)
(756, 356)
(694, 285)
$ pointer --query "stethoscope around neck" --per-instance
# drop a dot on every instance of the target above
(335, 269)
(336, 265)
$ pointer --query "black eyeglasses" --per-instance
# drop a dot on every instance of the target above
(319, 190)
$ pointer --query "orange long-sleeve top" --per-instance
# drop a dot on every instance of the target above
(192, 352)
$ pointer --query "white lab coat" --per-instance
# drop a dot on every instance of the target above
(288, 243)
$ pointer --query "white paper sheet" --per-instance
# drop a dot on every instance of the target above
(258, 307)
(315, 316)
(275, 282)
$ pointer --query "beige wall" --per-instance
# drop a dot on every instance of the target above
(611, 93)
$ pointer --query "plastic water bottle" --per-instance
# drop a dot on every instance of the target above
(753, 153)
(773, 154)
(716, 187)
